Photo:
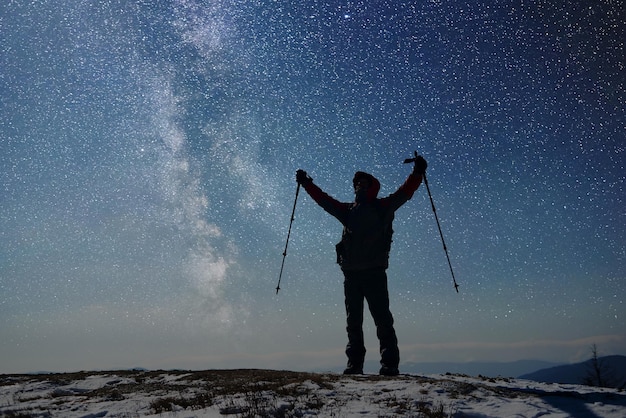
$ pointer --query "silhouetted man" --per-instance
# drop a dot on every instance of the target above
(363, 255)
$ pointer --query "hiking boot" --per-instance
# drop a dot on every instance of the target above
(389, 371)
(353, 370)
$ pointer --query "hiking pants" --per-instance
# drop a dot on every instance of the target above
(370, 285)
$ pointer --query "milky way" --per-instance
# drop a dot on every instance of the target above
(149, 150)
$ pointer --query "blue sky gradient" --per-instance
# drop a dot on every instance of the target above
(149, 150)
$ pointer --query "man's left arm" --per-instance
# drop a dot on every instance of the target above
(410, 185)
(404, 192)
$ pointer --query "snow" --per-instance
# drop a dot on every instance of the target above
(249, 393)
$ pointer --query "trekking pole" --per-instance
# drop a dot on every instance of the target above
(432, 204)
(293, 212)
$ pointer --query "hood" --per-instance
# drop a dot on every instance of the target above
(374, 188)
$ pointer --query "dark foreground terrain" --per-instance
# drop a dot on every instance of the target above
(272, 393)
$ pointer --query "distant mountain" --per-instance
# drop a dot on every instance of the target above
(613, 369)
(489, 369)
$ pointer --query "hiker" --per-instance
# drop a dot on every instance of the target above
(363, 255)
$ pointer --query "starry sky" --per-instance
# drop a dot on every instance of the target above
(148, 152)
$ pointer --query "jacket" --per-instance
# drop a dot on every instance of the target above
(367, 223)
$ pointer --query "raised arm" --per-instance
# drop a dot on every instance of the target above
(408, 188)
(331, 205)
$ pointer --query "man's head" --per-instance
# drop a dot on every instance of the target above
(366, 186)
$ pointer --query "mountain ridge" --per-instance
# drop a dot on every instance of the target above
(611, 368)
(492, 369)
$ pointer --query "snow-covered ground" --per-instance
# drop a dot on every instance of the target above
(268, 393)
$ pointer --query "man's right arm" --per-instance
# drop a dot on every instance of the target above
(327, 202)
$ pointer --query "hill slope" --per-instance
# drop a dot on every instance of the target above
(612, 368)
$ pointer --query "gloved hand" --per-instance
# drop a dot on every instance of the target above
(420, 165)
(303, 178)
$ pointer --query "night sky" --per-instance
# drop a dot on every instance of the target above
(148, 152)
